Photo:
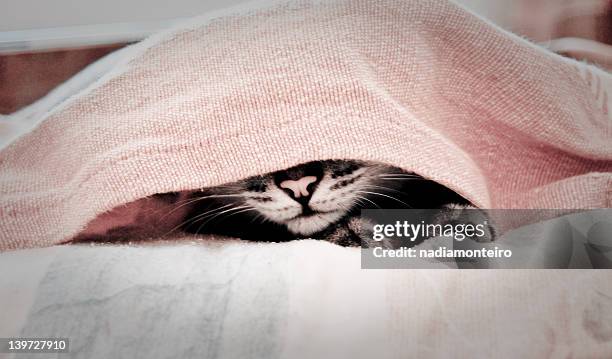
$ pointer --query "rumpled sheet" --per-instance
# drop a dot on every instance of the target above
(304, 299)
(423, 85)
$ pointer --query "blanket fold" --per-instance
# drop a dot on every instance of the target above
(423, 85)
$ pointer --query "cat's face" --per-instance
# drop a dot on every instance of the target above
(310, 197)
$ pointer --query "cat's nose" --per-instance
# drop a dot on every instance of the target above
(299, 188)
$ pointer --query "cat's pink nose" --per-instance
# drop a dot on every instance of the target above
(300, 186)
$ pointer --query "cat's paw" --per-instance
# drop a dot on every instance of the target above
(354, 231)
(469, 215)
(490, 233)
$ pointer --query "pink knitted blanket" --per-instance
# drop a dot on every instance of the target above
(423, 85)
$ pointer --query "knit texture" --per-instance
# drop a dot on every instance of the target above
(423, 85)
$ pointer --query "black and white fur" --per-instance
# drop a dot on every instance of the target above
(261, 208)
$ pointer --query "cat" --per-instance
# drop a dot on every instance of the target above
(318, 199)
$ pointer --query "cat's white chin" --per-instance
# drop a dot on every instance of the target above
(311, 224)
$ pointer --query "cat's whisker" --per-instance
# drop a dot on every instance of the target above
(347, 209)
(199, 216)
(241, 211)
(257, 216)
(398, 175)
(357, 202)
(261, 218)
(189, 201)
(369, 200)
(403, 179)
(221, 196)
(210, 217)
(213, 211)
(217, 213)
(210, 196)
(224, 212)
(387, 196)
(383, 187)
(388, 189)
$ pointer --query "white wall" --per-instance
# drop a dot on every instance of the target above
(31, 25)
(34, 25)
(36, 14)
